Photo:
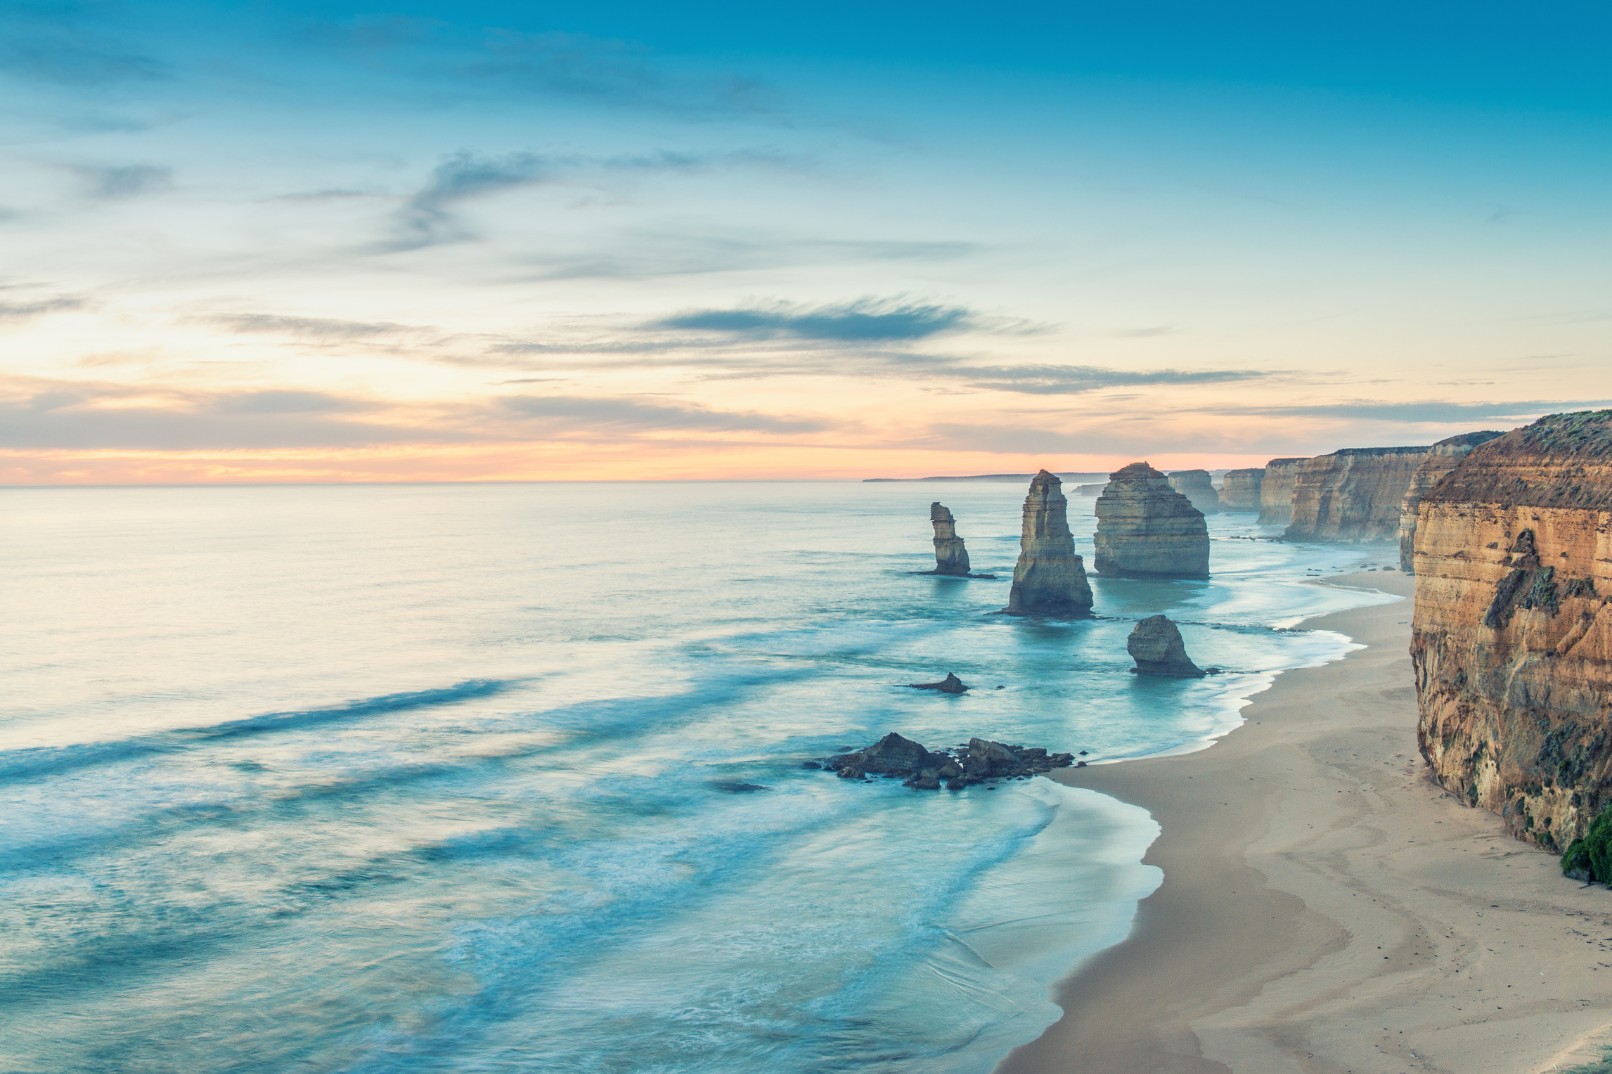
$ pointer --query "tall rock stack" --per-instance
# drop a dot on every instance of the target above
(1353, 494)
(1440, 461)
(950, 556)
(1511, 639)
(1146, 529)
(1197, 486)
(1049, 578)
(1276, 491)
(1240, 490)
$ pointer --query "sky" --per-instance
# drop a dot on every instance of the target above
(300, 241)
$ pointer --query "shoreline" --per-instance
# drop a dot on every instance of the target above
(1327, 907)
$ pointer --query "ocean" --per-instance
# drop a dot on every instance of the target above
(483, 778)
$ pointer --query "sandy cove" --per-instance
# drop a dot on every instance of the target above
(1327, 908)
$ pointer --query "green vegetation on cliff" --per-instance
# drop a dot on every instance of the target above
(1590, 858)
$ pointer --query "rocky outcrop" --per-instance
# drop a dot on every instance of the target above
(1353, 494)
(1441, 459)
(1276, 491)
(1091, 490)
(1512, 633)
(926, 770)
(951, 557)
(1197, 486)
(1146, 529)
(1155, 644)
(1049, 578)
(951, 684)
(1240, 490)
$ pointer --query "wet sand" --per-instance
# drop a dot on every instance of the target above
(1326, 907)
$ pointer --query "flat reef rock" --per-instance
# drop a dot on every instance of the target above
(1197, 486)
(1511, 639)
(1240, 489)
(1155, 644)
(951, 684)
(1050, 579)
(1353, 495)
(1146, 529)
(1441, 459)
(927, 770)
(1276, 491)
(951, 557)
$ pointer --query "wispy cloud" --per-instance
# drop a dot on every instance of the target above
(865, 320)
(1431, 412)
(22, 311)
(120, 181)
(312, 329)
(68, 51)
(639, 415)
(1080, 379)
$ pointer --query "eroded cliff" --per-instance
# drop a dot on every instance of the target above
(951, 555)
(1049, 579)
(1197, 486)
(1352, 495)
(1240, 490)
(1441, 459)
(1276, 491)
(1512, 633)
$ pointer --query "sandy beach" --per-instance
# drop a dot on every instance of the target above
(1326, 907)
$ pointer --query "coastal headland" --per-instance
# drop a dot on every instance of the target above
(1327, 908)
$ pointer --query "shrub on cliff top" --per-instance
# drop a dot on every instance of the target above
(1590, 858)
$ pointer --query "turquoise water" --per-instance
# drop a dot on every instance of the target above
(450, 778)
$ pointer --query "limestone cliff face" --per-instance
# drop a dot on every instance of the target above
(1197, 486)
(1276, 491)
(1146, 529)
(1441, 459)
(1240, 490)
(1512, 634)
(1049, 578)
(950, 555)
(1353, 494)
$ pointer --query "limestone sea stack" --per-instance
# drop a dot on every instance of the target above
(1276, 491)
(950, 556)
(1511, 639)
(1440, 461)
(1155, 644)
(1049, 578)
(1146, 529)
(1197, 486)
(1352, 495)
(1240, 490)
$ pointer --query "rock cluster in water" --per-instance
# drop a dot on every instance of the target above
(1050, 579)
(1441, 459)
(1240, 490)
(1155, 644)
(1197, 486)
(951, 557)
(1146, 529)
(926, 770)
(1511, 638)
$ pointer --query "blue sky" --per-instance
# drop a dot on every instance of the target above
(303, 241)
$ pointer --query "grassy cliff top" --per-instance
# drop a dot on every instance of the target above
(1561, 460)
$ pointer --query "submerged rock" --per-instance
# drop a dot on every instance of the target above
(926, 770)
(1197, 486)
(1050, 579)
(1155, 644)
(1146, 529)
(950, 555)
(951, 684)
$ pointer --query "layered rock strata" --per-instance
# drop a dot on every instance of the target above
(1197, 486)
(1146, 529)
(979, 761)
(1441, 459)
(950, 556)
(1512, 633)
(1156, 646)
(1049, 579)
(1353, 494)
(1240, 490)
(1276, 491)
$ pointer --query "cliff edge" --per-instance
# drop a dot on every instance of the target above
(1352, 495)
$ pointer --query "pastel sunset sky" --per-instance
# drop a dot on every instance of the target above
(429, 241)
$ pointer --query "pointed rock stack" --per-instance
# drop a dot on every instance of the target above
(1049, 578)
(1197, 486)
(1240, 490)
(1146, 529)
(950, 555)
(1440, 461)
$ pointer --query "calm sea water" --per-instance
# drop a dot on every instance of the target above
(459, 778)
